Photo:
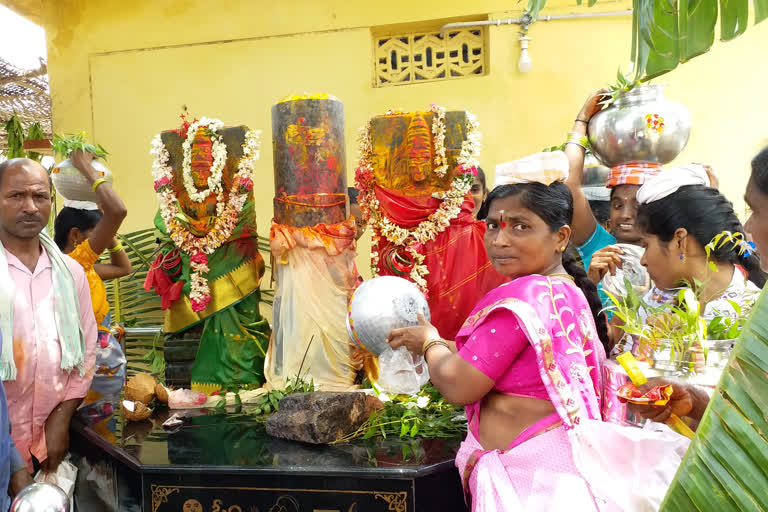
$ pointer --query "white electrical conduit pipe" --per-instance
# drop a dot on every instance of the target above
(522, 21)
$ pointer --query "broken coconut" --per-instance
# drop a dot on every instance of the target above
(135, 411)
(162, 392)
(141, 388)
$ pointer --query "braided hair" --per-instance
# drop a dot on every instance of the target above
(554, 205)
(704, 213)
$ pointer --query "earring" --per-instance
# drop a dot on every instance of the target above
(562, 249)
(682, 257)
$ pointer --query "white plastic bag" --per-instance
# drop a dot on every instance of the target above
(401, 372)
(64, 477)
(627, 468)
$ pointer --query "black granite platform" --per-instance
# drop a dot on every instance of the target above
(223, 461)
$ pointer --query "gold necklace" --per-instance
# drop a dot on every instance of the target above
(561, 274)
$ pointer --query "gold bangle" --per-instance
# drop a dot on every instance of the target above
(431, 343)
(97, 183)
(117, 248)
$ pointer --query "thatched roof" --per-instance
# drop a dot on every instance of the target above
(26, 94)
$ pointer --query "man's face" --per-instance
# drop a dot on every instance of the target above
(25, 200)
(623, 219)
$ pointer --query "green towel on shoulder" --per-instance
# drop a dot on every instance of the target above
(67, 313)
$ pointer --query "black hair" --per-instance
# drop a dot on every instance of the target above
(760, 171)
(601, 210)
(352, 192)
(69, 218)
(481, 178)
(554, 205)
(704, 213)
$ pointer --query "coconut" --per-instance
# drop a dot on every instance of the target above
(162, 392)
(135, 411)
(141, 388)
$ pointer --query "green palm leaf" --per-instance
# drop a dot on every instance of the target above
(726, 466)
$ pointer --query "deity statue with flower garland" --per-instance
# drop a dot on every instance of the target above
(414, 176)
(209, 269)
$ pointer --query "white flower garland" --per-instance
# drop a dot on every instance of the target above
(219, 151)
(412, 239)
(228, 213)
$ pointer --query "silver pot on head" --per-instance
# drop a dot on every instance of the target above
(641, 125)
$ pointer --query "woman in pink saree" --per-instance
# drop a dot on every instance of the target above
(526, 365)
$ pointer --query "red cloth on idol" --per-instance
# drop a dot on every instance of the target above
(460, 273)
(168, 291)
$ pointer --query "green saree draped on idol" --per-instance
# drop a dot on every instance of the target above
(234, 335)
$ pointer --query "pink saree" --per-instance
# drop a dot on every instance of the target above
(565, 461)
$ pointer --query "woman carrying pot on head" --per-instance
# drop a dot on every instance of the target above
(526, 363)
(688, 400)
(679, 215)
(84, 230)
(593, 241)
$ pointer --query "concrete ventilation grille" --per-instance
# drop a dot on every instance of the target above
(404, 59)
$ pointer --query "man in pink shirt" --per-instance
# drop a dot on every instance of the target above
(43, 396)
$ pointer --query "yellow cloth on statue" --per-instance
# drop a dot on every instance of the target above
(84, 255)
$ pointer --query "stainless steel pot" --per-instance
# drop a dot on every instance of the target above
(641, 125)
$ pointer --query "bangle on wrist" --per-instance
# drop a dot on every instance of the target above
(117, 248)
(577, 120)
(97, 183)
(580, 140)
(431, 343)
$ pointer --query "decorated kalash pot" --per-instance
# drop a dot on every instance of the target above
(414, 174)
(209, 269)
(67, 179)
(673, 344)
(640, 126)
(313, 246)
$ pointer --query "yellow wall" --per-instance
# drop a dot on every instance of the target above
(123, 70)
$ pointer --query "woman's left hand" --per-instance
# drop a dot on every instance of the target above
(413, 338)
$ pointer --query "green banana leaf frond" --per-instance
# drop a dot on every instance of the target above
(726, 466)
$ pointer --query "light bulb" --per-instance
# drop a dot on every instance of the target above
(525, 63)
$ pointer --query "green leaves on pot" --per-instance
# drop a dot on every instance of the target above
(66, 145)
(724, 468)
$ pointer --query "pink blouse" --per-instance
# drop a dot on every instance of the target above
(500, 350)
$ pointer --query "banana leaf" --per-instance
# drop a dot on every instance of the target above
(733, 18)
(761, 10)
(666, 33)
(726, 466)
